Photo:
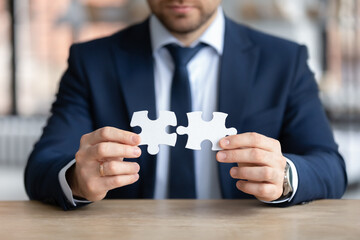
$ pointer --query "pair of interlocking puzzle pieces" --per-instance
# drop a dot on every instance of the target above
(153, 132)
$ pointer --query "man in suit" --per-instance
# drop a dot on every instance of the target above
(187, 57)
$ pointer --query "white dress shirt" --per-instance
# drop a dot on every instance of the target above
(203, 71)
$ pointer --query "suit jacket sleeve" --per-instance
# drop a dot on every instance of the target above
(308, 141)
(70, 119)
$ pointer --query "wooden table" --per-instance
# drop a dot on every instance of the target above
(181, 219)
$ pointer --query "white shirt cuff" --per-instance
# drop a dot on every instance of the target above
(65, 186)
(294, 184)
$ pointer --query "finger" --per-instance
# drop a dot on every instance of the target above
(113, 168)
(250, 140)
(256, 174)
(263, 191)
(104, 150)
(113, 182)
(95, 188)
(111, 134)
(253, 156)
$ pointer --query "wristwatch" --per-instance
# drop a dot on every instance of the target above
(287, 186)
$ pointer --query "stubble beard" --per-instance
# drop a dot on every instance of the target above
(174, 27)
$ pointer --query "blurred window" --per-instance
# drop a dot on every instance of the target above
(45, 30)
(4, 59)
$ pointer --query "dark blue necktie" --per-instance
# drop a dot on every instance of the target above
(182, 169)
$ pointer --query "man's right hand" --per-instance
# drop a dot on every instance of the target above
(107, 146)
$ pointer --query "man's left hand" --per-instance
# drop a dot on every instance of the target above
(260, 163)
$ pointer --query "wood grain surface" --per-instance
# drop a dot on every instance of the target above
(181, 219)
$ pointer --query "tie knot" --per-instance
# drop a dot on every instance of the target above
(183, 55)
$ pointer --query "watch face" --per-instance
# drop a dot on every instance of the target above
(287, 188)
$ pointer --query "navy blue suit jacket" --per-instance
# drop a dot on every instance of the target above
(265, 86)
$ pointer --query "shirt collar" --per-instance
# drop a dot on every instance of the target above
(213, 36)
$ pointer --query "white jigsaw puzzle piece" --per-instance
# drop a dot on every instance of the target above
(199, 130)
(153, 132)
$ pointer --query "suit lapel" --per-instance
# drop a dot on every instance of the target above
(134, 65)
(237, 71)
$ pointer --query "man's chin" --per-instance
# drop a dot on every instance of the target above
(182, 26)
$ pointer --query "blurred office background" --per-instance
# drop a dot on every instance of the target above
(35, 36)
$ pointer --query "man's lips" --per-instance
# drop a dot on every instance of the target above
(180, 8)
